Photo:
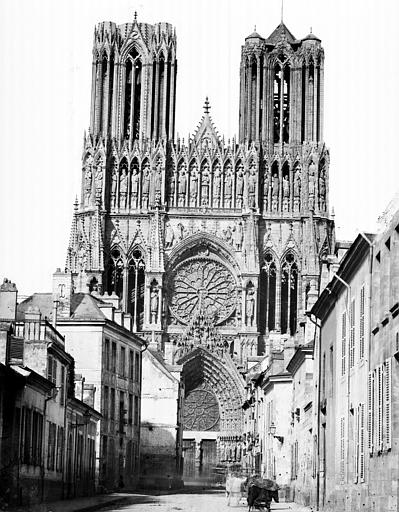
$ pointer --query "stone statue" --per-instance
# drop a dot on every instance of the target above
(312, 168)
(297, 182)
(227, 235)
(228, 186)
(266, 186)
(114, 184)
(322, 190)
(123, 188)
(240, 185)
(88, 183)
(205, 179)
(154, 304)
(172, 185)
(182, 184)
(193, 184)
(251, 188)
(99, 177)
(275, 192)
(216, 185)
(157, 182)
(250, 307)
(286, 187)
(238, 234)
(146, 184)
(135, 185)
(182, 231)
(169, 235)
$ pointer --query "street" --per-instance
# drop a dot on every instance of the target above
(195, 501)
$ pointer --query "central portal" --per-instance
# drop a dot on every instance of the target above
(201, 423)
(212, 415)
(204, 299)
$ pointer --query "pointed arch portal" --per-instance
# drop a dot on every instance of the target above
(212, 414)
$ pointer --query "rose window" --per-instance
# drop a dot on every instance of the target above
(201, 410)
(201, 286)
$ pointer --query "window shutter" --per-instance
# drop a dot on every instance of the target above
(361, 461)
(380, 399)
(342, 451)
(50, 368)
(361, 340)
(356, 445)
(388, 400)
(352, 335)
(343, 344)
(54, 371)
(370, 406)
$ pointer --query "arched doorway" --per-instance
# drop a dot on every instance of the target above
(212, 413)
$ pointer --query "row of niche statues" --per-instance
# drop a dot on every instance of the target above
(195, 187)
(283, 192)
(216, 187)
(93, 179)
(129, 188)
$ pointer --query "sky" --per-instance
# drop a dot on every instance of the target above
(45, 85)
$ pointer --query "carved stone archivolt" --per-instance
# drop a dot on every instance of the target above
(201, 285)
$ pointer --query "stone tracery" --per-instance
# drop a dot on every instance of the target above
(201, 286)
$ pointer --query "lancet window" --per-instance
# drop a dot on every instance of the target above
(289, 294)
(281, 101)
(135, 295)
(115, 273)
(278, 294)
(268, 281)
(131, 117)
(127, 281)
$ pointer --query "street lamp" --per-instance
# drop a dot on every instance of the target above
(272, 432)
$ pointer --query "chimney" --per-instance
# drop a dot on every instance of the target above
(5, 336)
(8, 301)
(62, 293)
(32, 323)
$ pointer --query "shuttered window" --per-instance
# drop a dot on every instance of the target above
(359, 443)
(356, 445)
(342, 451)
(352, 335)
(380, 402)
(362, 442)
(370, 410)
(361, 324)
(388, 408)
(52, 369)
(343, 344)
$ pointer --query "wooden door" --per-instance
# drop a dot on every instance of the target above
(188, 458)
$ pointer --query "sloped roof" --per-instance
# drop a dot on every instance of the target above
(158, 357)
(43, 301)
(254, 35)
(312, 37)
(279, 33)
(83, 306)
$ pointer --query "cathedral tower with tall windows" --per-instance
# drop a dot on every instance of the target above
(212, 251)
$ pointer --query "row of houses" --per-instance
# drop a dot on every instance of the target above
(73, 403)
(324, 421)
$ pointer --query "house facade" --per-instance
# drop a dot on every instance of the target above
(47, 448)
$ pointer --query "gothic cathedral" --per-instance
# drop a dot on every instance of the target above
(211, 249)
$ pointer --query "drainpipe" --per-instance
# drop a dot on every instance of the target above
(367, 358)
(371, 245)
(318, 411)
(347, 356)
(42, 466)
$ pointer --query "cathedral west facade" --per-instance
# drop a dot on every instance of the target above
(209, 248)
